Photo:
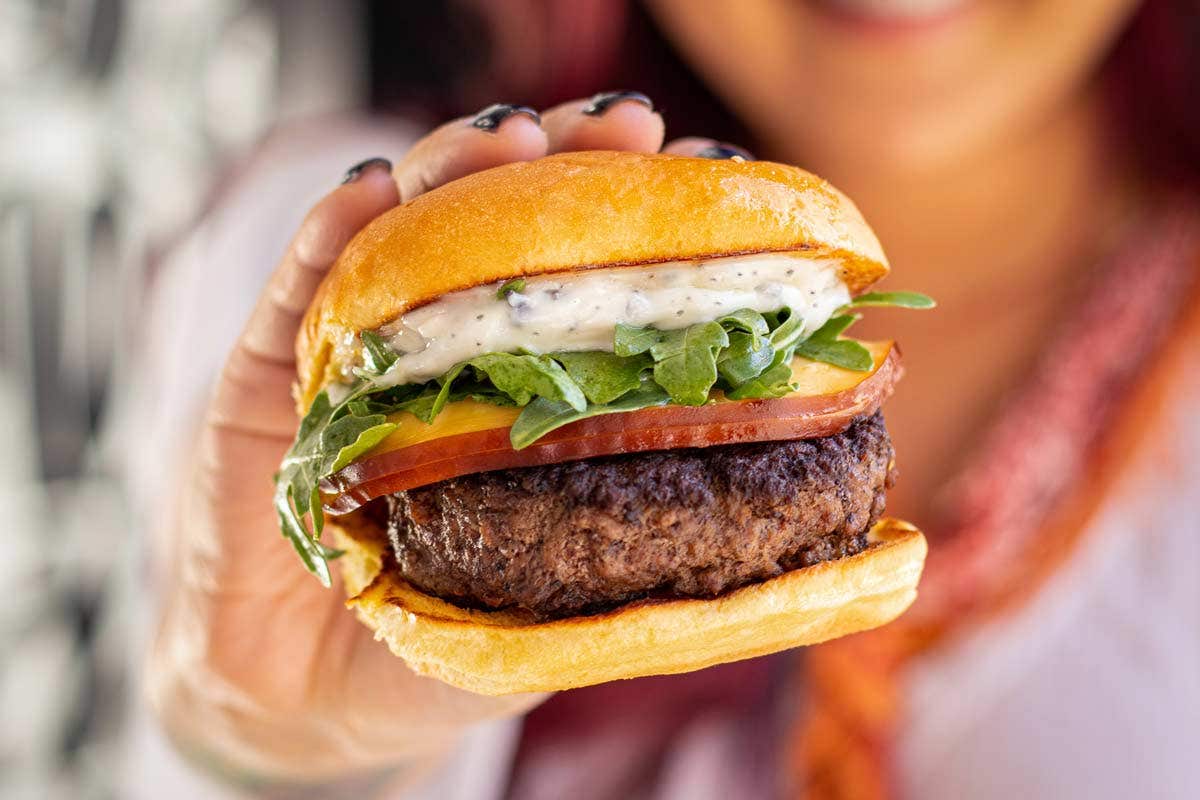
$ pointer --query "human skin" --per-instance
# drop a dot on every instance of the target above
(256, 667)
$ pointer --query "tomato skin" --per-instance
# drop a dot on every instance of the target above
(659, 428)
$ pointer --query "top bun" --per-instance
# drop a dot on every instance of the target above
(575, 211)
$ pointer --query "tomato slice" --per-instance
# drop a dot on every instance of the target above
(801, 415)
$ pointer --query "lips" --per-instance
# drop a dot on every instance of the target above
(903, 11)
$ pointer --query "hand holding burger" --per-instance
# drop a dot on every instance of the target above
(258, 667)
(593, 417)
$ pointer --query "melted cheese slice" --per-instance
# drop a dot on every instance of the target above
(812, 379)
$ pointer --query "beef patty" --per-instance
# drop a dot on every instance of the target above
(565, 539)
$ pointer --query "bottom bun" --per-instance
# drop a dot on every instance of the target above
(502, 652)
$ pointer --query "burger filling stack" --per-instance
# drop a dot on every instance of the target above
(596, 416)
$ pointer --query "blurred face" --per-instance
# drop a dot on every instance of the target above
(902, 84)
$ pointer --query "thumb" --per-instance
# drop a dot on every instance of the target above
(247, 398)
(251, 420)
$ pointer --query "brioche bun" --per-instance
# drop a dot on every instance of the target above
(581, 211)
(575, 211)
(499, 652)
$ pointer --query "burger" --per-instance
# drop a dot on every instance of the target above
(594, 416)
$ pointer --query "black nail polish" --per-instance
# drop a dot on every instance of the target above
(724, 151)
(355, 172)
(491, 117)
(605, 100)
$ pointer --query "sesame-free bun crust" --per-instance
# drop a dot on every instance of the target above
(501, 652)
(575, 211)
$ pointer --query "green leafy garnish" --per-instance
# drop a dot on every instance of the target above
(542, 415)
(685, 361)
(893, 299)
(745, 358)
(746, 320)
(824, 345)
(774, 382)
(604, 377)
(355, 435)
(774, 375)
(789, 332)
(522, 377)
(433, 398)
(378, 356)
(515, 285)
(629, 340)
(328, 439)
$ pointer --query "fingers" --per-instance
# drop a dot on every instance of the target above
(607, 121)
(701, 147)
(241, 402)
(497, 135)
(503, 133)
(270, 333)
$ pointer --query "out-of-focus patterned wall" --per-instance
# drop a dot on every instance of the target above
(118, 119)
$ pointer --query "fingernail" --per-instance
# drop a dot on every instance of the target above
(491, 117)
(605, 100)
(355, 172)
(724, 151)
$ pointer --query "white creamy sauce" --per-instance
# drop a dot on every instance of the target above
(578, 310)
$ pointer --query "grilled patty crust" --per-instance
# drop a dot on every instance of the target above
(582, 537)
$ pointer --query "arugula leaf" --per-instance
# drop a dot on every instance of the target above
(382, 401)
(344, 434)
(845, 353)
(515, 285)
(893, 299)
(603, 377)
(824, 345)
(318, 413)
(745, 358)
(296, 488)
(747, 320)
(366, 439)
(328, 439)
(300, 468)
(774, 382)
(312, 553)
(789, 332)
(630, 340)
(834, 327)
(493, 397)
(685, 361)
(378, 355)
(542, 415)
(525, 376)
(774, 379)
(433, 398)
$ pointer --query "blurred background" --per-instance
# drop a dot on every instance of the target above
(123, 124)
(118, 120)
